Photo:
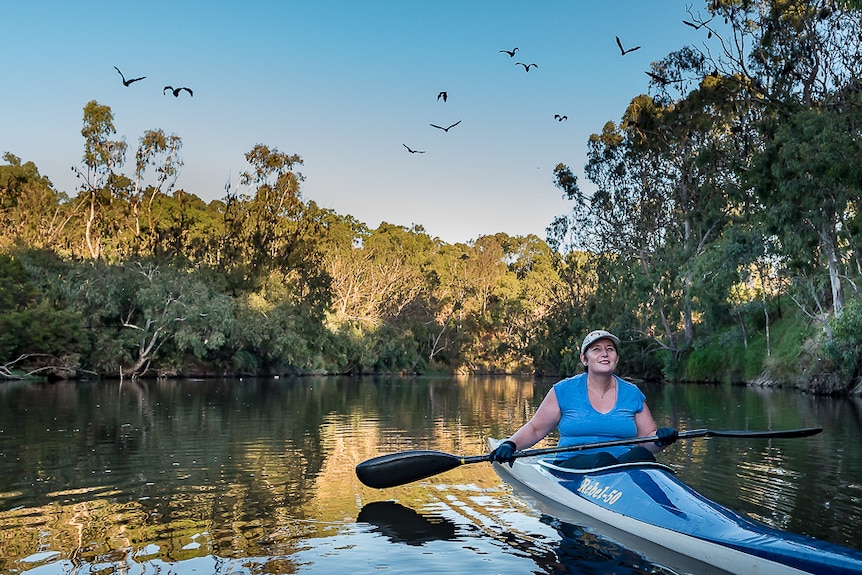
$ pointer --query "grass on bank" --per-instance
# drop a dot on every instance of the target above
(728, 357)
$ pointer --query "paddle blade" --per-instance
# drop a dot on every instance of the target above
(779, 434)
(400, 468)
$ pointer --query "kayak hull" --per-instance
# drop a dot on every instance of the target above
(645, 507)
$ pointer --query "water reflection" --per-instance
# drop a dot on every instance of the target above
(581, 551)
(258, 475)
(401, 524)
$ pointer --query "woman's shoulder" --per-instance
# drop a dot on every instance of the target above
(629, 387)
(573, 380)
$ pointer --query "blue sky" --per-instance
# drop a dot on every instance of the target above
(345, 85)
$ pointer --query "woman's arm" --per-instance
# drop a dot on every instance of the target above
(543, 422)
(646, 426)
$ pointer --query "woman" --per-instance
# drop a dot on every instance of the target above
(592, 407)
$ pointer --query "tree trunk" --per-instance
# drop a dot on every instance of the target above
(827, 238)
(92, 243)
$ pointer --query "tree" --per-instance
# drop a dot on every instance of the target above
(157, 150)
(147, 316)
(32, 213)
(100, 180)
(522, 303)
(267, 227)
(809, 175)
(804, 61)
(36, 332)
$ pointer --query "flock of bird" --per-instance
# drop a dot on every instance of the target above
(444, 95)
(174, 91)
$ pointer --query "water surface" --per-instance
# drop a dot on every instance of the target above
(257, 476)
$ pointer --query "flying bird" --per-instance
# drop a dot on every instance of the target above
(129, 81)
(446, 129)
(560, 118)
(623, 51)
(176, 91)
(511, 52)
(443, 95)
(697, 26)
(658, 78)
(413, 151)
(526, 66)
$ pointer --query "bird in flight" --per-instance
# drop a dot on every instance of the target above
(511, 52)
(560, 118)
(659, 79)
(446, 129)
(623, 50)
(129, 81)
(413, 151)
(176, 91)
(697, 26)
(526, 66)
(443, 95)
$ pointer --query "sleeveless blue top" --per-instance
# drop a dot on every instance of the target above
(581, 423)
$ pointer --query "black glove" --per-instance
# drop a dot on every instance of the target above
(666, 436)
(504, 453)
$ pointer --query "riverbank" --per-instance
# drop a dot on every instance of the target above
(796, 355)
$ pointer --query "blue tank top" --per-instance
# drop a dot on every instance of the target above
(581, 423)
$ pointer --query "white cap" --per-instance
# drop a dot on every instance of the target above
(598, 334)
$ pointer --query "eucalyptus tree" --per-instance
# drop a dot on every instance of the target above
(377, 275)
(269, 249)
(145, 316)
(32, 212)
(399, 257)
(267, 233)
(484, 268)
(36, 332)
(523, 302)
(629, 218)
(118, 210)
(100, 178)
(160, 152)
(487, 286)
(814, 164)
(665, 190)
(182, 226)
(794, 59)
(451, 290)
(342, 240)
(712, 149)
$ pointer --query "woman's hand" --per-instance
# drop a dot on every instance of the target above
(666, 436)
(504, 452)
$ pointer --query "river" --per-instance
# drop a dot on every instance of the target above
(248, 476)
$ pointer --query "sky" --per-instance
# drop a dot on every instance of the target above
(348, 86)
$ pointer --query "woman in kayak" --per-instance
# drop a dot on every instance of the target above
(592, 407)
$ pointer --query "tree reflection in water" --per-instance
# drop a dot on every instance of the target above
(249, 476)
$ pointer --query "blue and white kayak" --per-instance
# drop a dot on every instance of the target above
(646, 508)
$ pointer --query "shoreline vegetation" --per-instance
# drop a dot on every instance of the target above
(723, 243)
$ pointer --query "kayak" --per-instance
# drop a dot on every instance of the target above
(646, 508)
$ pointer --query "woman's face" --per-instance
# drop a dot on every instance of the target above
(601, 356)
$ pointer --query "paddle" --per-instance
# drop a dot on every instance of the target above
(407, 466)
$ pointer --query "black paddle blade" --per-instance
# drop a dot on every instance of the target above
(400, 468)
(779, 434)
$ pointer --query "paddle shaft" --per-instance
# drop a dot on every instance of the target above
(781, 434)
(408, 466)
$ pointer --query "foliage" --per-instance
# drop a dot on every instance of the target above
(31, 211)
(32, 324)
(842, 350)
(730, 189)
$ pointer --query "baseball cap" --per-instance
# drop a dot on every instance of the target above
(598, 334)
